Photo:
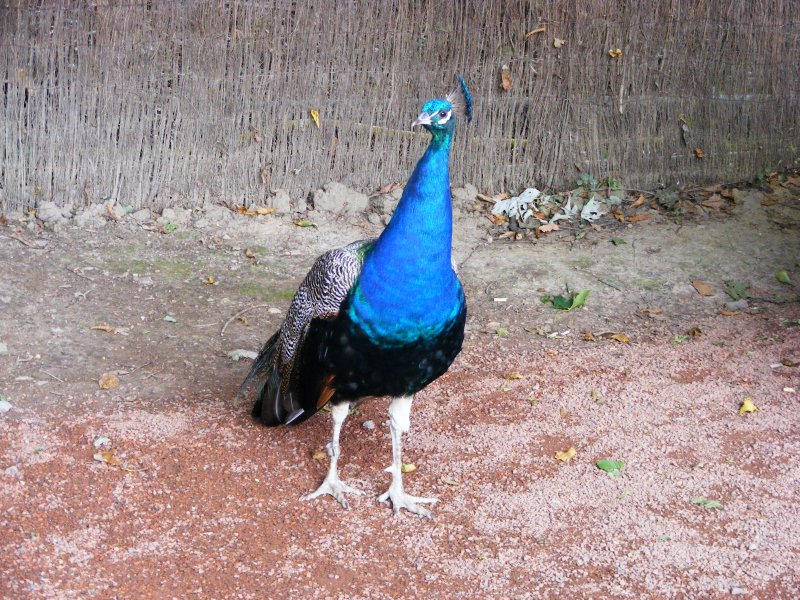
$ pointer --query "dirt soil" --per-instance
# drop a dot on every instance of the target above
(164, 487)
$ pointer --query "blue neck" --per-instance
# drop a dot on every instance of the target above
(407, 288)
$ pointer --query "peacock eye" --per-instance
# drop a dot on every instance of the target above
(442, 113)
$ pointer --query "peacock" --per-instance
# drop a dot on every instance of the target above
(377, 318)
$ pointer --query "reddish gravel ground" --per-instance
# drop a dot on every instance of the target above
(198, 501)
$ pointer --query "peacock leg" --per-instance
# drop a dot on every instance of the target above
(399, 423)
(332, 484)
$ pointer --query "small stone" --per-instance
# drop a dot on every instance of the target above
(274, 311)
(50, 213)
(92, 217)
(369, 425)
(375, 219)
(5, 406)
(737, 304)
(145, 281)
(217, 214)
(142, 216)
(175, 216)
(12, 471)
(101, 441)
(738, 591)
(335, 197)
(3, 348)
(281, 201)
(464, 197)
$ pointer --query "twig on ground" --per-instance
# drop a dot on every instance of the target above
(611, 285)
(239, 314)
(134, 369)
(54, 377)
(75, 271)
(40, 246)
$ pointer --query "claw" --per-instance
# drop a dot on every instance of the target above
(411, 503)
(336, 488)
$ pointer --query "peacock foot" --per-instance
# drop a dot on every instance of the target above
(411, 503)
(336, 488)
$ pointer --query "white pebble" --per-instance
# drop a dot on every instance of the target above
(369, 425)
(5, 406)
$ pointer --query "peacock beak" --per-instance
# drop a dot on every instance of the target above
(423, 119)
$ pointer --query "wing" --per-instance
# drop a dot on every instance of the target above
(274, 373)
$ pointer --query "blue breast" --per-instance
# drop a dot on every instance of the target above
(407, 289)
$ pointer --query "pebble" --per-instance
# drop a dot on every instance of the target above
(3, 348)
(144, 281)
(738, 591)
(737, 304)
(12, 471)
(274, 311)
(369, 425)
(101, 441)
(5, 406)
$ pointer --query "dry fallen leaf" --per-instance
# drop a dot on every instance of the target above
(619, 215)
(549, 227)
(703, 288)
(103, 327)
(638, 218)
(515, 375)
(698, 152)
(729, 313)
(319, 454)
(694, 332)
(109, 457)
(243, 320)
(651, 311)
(589, 337)
(452, 482)
(505, 78)
(615, 53)
(408, 467)
(210, 280)
(557, 43)
(565, 455)
(261, 210)
(638, 202)
(620, 337)
(314, 116)
(535, 31)
(713, 201)
(109, 381)
(249, 253)
(747, 406)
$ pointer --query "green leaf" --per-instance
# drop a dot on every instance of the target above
(783, 277)
(562, 302)
(170, 228)
(737, 289)
(502, 331)
(305, 223)
(618, 241)
(579, 299)
(679, 339)
(546, 299)
(610, 466)
(707, 503)
(170, 319)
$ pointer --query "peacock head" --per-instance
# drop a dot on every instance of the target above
(438, 115)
